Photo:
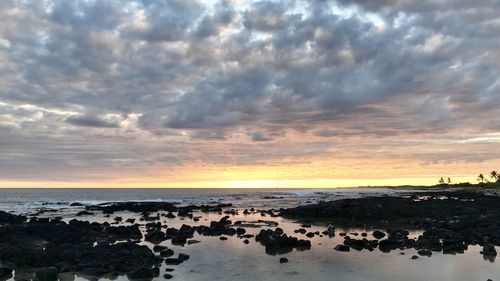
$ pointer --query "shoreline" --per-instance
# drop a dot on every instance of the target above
(447, 230)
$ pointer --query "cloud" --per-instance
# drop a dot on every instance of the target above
(325, 133)
(91, 121)
(165, 75)
(208, 135)
(260, 137)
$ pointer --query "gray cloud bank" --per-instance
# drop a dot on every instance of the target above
(166, 76)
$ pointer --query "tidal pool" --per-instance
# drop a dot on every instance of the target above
(214, 259)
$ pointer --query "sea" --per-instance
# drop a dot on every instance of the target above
(22, 200)
(213, 259)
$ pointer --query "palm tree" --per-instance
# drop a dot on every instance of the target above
(494, 175)
(441, 180)
(480, 178)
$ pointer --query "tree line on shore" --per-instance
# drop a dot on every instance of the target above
(493, 177)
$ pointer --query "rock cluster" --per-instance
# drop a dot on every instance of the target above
(451, 221)
(276, 242)
(77, 246)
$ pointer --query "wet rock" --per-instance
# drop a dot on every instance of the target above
(6, 271)
(183, 257)
(170, 216)
(192, 241)
(63, 266)
(159, 248)
(452, 246)
(414, 257)
(342, 248)
(11, 219)
(144, 273)
(124, 232)
(425, 252)
(168, 276)
(360, 244)
(173, 261)
(179, 240)
(185, 213)
(167, 253)
(276, 243)
(223, 238)
(451, 220)
(489, 250)
(46, 274)
(84, 213)
(279, 231)
(377, 234)
(246, 241)
(283, 260)
(300, 230)
(155, 236)
(240, 231)
(91, 271)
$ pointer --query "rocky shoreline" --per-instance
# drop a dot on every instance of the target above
(450, 222)
(52, 246)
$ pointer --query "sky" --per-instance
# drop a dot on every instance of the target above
(236, 93)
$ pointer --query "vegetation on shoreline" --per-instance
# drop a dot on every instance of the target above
(491, 181)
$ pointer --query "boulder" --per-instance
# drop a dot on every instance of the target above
(155, 236)
(173, 261)
(342, 248)
(240, 231)
(489, 250)
(425, 252)
(167, 253)
(6, 271)
(159, 248)
(283, 260)
(377, 234)
(46, 274)
(183, 257)
(144, 273)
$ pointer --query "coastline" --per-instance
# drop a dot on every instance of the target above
(158, 233)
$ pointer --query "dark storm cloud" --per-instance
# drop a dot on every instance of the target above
(264, 70)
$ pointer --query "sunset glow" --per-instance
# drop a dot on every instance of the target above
(247, 94)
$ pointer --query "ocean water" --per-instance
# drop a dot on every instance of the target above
(22, 200)
(213, 259)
